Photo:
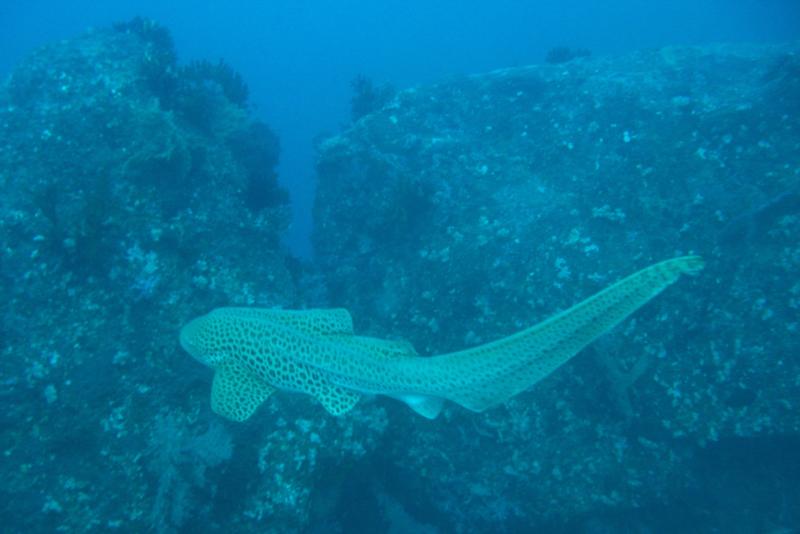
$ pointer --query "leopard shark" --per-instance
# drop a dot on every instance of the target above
(256, 351)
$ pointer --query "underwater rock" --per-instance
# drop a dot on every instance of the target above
(461, 211)
(123, 213)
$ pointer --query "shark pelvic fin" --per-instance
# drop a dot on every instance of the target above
(337, 400)
(428, 407)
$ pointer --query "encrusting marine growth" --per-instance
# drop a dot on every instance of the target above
(255, 351)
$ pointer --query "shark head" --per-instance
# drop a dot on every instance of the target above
(198, 336)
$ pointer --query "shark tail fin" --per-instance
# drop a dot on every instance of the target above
(508, 366)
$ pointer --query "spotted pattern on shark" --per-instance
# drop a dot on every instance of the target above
(256, 351)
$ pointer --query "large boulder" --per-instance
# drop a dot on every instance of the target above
(465, 211)
(137, 194)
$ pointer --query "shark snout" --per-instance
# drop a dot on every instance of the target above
(194, 340)
(187, 334)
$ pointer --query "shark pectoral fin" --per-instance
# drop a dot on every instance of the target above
(429, 407)
(337, 400)
(236, 392)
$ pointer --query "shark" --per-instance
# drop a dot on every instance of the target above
(255, 352)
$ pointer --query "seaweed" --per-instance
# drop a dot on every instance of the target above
(159, 62)
(201, 75)
(367, 97)
(564, 54)
(257, 149)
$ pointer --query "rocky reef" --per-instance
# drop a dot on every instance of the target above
(467, 210)
(139, 192)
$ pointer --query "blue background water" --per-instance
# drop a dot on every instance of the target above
(298, 58)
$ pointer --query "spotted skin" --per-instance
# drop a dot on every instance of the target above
(255, 351)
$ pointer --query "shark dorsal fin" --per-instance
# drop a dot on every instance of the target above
(384, 348)
(236, 392)
(313, 321)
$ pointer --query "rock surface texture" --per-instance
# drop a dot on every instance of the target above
(138, 193)
(466, 210)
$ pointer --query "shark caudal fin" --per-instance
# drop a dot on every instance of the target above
(489, 374)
